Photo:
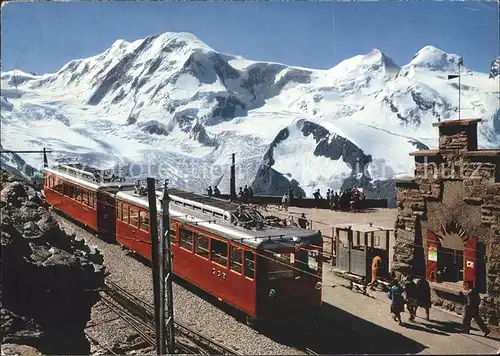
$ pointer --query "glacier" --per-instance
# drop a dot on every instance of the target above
(171, 106)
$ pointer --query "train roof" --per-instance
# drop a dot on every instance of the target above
(84, 179)
(221, 218)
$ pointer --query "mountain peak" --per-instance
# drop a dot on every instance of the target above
(495, 68)
(435, 59)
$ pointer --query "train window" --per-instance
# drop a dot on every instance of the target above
(144, 220)
(236, 259)
(92, 199)
(279, 266)
(78, 194)
(201, 245)
(125, 213)
(58, 185)
(186, 239)
(308, 261)
(249, 264)
(119, 213)
(134, 217)
(173, 233)
(71, 191)
(85, 197)
(219, 252)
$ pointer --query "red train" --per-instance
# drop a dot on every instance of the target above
(272, 273)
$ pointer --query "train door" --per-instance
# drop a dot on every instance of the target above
(106, 216)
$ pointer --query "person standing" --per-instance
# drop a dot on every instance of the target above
(375, 271)
(411, 296)
(424, 296)
(398, 302)
(284, 201)
(472, 302)
(209, 191)
(317, 197)
(303, 223)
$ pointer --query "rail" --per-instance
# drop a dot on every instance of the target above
(132, 306)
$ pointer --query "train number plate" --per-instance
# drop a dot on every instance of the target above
(218, 273)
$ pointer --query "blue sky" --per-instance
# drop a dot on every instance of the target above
(42, 37)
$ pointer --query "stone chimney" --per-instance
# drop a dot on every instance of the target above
(458, 134)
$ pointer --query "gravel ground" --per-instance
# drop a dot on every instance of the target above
(190, 309)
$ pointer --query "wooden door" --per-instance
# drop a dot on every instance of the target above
(470, 261)
(431, 257)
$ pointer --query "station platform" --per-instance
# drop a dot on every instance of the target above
(370, 315)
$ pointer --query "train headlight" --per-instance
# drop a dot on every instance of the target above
(318, 285)
(272, 293)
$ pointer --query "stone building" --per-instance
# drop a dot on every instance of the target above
(448, 224)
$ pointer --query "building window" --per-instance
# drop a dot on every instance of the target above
(134, 217)
(186, 239)
(144, 220)
(249, 264)
(202, 245)
(236, 259)
(219, 252)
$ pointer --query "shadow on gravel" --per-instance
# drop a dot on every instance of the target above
(339, 332)
(336, 332)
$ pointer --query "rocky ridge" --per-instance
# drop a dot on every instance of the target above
(49, 279)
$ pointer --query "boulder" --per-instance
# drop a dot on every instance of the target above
(50, 280)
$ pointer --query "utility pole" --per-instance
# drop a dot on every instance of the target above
(453, 76)
(157, 267)
(459, 86)
(166, 243)
(232, 180)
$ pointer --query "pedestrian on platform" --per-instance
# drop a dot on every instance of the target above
(472, 301)
(376, 264)
(303, 223)
(209, 191)
(284, 201)
(317, 197)
(240, 195)
(336, 201)
(424, 296)
(398, 302)
(411, 296)
(216, 192)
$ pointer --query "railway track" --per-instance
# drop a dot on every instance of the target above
(140, 316)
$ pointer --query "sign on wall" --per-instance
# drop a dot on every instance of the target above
(432, 254)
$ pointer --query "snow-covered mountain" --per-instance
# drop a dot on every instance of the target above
(177, 106)
(495, 68)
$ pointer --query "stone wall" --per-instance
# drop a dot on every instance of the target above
(452, 183)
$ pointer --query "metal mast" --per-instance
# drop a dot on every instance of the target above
(166, 244)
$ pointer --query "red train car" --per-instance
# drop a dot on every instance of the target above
(270, 274)
(75, 193)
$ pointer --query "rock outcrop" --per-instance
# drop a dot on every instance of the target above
(50, 280)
